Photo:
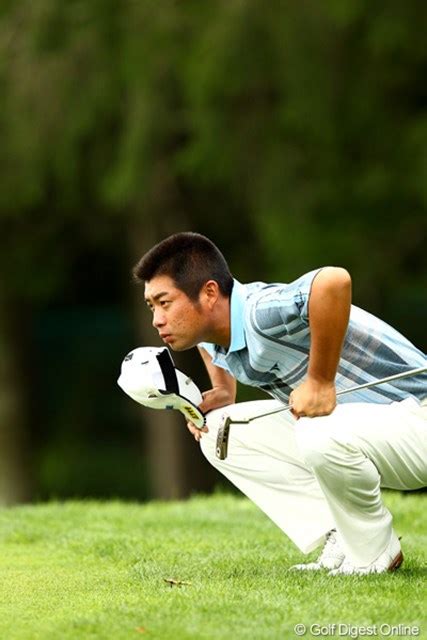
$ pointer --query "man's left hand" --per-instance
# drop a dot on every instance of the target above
(313, 398)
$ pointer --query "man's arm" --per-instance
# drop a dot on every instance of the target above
(224, 385)
(223, 391)
(329, 312)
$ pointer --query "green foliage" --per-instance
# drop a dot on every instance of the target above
(306, 121)
(294, 134)
(99, 570)
(57, 120)
(315, 118)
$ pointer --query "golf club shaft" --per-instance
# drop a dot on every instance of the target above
(374, 383)
(224, 430)
(366, 385)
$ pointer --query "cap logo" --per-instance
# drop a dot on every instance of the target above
(191, 411)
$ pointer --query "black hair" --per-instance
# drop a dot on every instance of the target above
(190, 260)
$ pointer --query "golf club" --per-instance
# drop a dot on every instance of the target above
(224, 430)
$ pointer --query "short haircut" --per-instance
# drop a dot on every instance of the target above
(190, 260)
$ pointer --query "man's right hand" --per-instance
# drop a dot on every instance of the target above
(213, 399)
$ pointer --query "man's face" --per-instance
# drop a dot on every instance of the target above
(181, 323)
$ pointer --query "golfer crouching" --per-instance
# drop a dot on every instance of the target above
(318, 469)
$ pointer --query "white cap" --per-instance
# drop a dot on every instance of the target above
(149, 376)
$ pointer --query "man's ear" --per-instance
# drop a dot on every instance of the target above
(210, 292)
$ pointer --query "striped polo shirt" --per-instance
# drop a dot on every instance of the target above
(270, 344)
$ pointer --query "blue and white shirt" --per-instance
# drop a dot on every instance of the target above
(270, 344)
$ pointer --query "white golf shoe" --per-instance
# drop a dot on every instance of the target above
(389, 560)
(332, 556)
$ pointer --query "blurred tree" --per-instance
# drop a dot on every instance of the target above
(52, 108)
(89, 123)
(315, 118)
(293, 134)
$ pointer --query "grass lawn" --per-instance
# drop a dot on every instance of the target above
(93, 570)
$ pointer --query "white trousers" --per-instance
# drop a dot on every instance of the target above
(315, 474)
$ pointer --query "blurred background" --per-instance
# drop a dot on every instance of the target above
(293, 134)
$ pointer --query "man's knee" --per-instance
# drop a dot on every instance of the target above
(214, 418)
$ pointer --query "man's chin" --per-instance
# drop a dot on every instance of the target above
(177, 346)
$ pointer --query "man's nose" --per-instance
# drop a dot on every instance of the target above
(158, 319)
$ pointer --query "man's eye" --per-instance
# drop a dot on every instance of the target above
(163, 303)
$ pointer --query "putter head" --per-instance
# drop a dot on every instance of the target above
(222, 437)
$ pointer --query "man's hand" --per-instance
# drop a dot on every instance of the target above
(212, 399)
(197, 433)
(313, 398)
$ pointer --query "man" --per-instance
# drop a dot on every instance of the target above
(317, 470)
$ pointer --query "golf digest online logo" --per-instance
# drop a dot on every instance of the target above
(343, 630)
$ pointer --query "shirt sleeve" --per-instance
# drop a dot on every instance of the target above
(282, 309)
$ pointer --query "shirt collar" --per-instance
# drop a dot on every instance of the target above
(237, 309)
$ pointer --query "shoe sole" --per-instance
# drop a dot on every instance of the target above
(395, 564)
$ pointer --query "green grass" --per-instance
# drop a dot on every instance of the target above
(91, 570)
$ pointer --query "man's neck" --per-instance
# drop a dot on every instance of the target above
(221, 329)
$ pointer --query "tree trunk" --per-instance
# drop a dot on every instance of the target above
(14, 409)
